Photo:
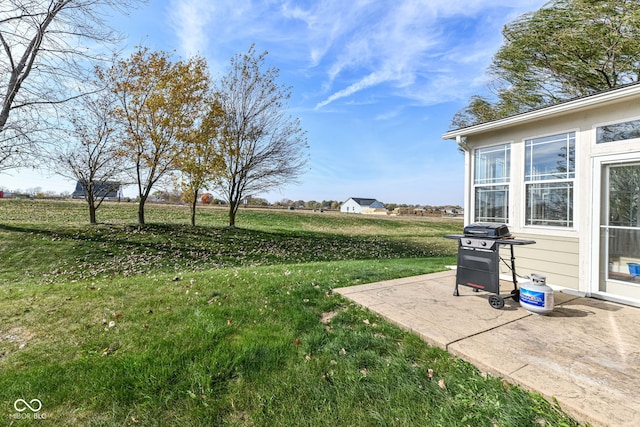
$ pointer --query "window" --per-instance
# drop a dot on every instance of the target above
(549, 180)
(491, 183)
(624, 196)
(618, 132)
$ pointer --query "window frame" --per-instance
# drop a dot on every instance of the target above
(615, 141)
(533, 180)
(500, 183)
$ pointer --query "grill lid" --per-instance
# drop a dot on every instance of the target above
(488, 230)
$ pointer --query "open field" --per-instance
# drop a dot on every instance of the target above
(173, 325)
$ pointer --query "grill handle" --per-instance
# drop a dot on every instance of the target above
(483, 232)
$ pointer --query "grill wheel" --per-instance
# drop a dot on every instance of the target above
(496, 301)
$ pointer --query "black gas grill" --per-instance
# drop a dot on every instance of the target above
(479, 259)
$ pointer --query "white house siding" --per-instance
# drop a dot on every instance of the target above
(351, 206)
(556, 258)
(360, 205)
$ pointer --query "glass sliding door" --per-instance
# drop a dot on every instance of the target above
(620, 230)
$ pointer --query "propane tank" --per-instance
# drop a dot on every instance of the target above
(536, 296)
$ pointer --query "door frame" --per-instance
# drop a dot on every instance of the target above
(598, 193)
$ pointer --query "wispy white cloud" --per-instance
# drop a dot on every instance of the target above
(398, 45)
(206, 27)
(189, 20)
(352, 46)
(372, 79)
(388, 115)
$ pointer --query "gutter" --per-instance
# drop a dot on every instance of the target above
(461, 143)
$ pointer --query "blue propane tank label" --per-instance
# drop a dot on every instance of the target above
(533, 298)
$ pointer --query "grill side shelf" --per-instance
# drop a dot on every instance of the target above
(507, 242)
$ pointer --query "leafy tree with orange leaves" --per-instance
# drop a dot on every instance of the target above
(160, 104)
(200, 162)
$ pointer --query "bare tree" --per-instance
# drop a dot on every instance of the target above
(46, 47)
(92, 155)
(262, 147)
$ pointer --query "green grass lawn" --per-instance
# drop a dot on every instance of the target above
(112, 325)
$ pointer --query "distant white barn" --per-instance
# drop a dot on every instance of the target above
(358, 204)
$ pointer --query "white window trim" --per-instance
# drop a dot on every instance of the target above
(594, 130)
(552, 230)
(614, 147)
(472, 181)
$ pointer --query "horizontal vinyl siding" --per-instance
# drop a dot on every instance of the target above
(556, 258)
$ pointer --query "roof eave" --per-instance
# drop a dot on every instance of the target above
(564, 107)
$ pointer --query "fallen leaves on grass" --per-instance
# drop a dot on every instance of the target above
(111, 349)
(18, 335)
(128, 251)
(326, 317)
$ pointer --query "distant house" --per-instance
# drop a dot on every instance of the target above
(107, 190)
(358, 205)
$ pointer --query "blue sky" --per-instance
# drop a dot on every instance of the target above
(374, 82)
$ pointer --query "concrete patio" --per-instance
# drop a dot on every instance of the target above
(585, 354)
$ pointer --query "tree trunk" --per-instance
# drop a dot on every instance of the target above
(92, 209)
(141, 210)
(232, 213)
(92, 214)
(194, 202)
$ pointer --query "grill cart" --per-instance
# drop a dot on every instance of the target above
(479, 259)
